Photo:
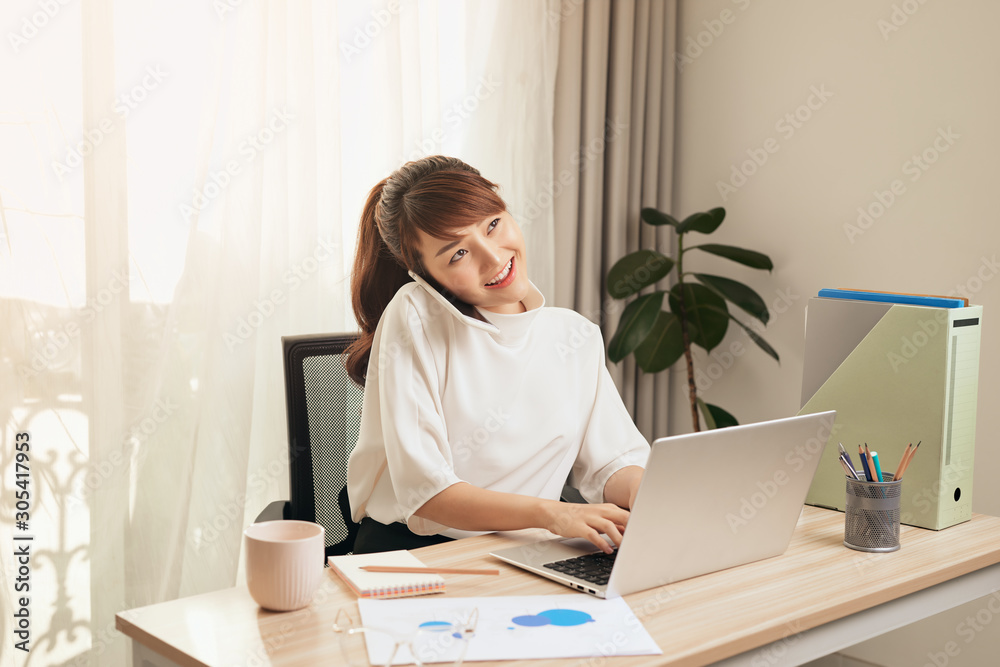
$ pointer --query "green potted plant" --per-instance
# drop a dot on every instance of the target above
(697, 310)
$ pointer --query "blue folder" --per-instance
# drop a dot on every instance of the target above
(884, 297)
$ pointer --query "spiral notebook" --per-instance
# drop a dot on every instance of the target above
(385, 584)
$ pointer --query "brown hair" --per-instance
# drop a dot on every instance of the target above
(435, 195)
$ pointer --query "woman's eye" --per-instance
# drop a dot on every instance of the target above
(457, 256)
(493, 224)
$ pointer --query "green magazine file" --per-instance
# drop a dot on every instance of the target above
(896, 374)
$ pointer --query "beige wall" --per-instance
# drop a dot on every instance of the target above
(879, 96)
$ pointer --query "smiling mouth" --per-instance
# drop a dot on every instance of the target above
(503, 278)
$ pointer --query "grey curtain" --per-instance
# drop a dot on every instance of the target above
(614, 138)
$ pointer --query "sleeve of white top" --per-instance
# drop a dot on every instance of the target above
(416, 445)
(611, 441)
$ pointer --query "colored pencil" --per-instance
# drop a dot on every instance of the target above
(864, 464)
(902, 462)
(878, 467)
(905, 464)
(426, 570)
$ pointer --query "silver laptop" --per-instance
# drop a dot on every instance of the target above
(707, 501)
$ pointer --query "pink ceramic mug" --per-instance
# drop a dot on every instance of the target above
(284, 563)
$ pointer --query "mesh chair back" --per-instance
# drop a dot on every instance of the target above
(323, 406)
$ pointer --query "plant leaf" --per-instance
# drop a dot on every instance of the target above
(637, 321)
(706, 414)
(755, 337)
(658, 218)
(663, 346)
(637, 270)
(738, 294)
(705, 309)
(754, 260)
(705, 223)
(720, 418)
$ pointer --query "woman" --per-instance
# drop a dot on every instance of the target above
(479, 400)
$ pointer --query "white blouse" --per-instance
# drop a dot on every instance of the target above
(515, 405)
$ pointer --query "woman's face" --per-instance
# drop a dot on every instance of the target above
(484, 264)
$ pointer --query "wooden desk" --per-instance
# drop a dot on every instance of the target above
(815, 599)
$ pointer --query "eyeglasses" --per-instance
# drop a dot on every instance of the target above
(432, 642)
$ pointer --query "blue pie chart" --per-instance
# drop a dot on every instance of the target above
(561, 617)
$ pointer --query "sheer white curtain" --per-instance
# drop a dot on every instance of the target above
(168, 211)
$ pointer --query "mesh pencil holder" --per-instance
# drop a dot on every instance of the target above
(871, 515)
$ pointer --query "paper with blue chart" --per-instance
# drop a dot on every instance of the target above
(517, 627)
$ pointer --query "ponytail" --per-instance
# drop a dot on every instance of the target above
(376, 277)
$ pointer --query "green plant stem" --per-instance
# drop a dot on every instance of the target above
(692, 389)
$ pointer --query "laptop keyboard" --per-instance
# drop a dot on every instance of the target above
(595, 567)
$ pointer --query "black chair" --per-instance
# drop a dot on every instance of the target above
(323, 406)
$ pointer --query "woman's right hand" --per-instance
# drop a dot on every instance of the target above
(468, 507)
(586, 520)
